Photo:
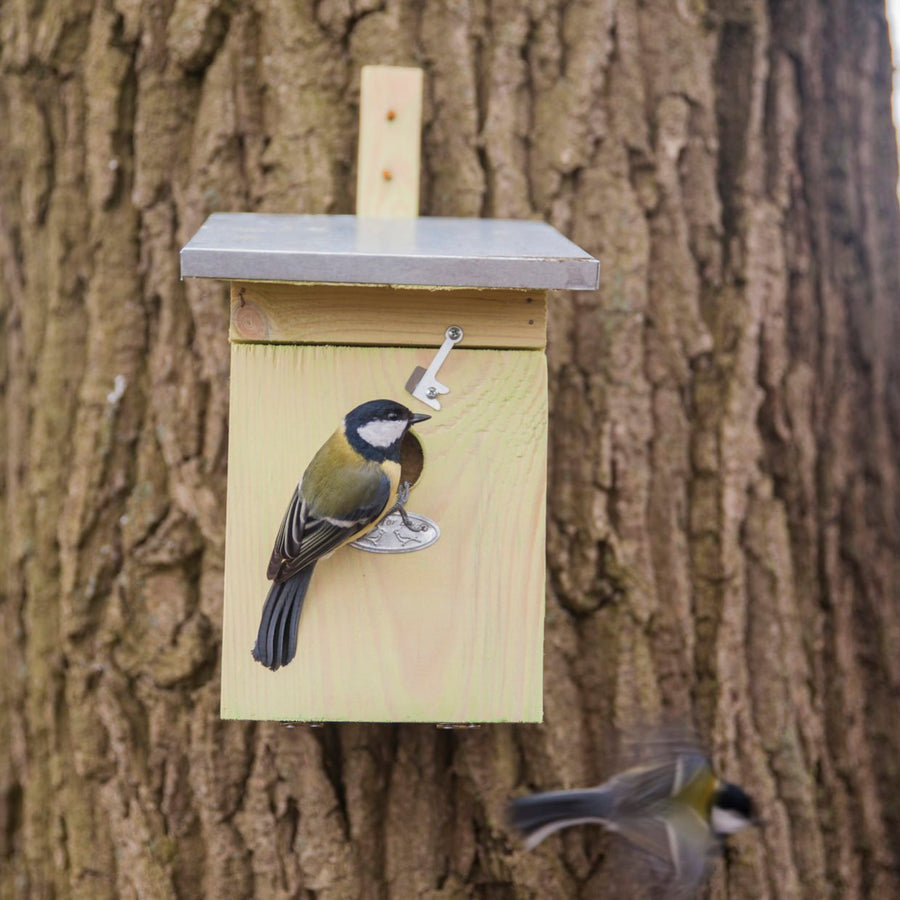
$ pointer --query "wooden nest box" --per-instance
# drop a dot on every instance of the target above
(328, 312)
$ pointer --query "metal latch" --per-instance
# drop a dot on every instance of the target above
(423, 384)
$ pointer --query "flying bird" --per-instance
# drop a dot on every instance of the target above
(673, 808)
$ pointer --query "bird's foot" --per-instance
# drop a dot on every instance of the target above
(398, 507)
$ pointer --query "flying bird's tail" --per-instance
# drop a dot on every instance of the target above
(276, 642)
(540, 815)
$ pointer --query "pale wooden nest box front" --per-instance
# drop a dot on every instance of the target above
(328, 312)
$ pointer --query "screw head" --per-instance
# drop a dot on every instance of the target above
(431, 393)
(454, 332)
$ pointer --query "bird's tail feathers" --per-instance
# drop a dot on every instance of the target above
(538, 816)
(276, 641)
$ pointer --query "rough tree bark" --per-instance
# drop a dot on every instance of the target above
(724, 508)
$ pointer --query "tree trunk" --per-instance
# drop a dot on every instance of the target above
(724, 505)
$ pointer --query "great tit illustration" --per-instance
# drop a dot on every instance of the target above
(345, 490)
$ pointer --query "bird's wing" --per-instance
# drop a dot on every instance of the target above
(305, 537)
(656, 813)
(693, 847)
(652, 785)
(681, 846)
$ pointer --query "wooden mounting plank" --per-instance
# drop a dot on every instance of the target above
(388, 316)
(390, 124)
(451, 633)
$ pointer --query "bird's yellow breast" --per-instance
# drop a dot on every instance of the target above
(339, 480)
(700, 792)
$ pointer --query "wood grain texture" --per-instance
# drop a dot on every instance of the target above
(386, 315)
(390, 124)
(452, 633)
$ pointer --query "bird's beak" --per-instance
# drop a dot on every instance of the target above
(418, 417)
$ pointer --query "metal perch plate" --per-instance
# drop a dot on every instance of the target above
(390, 535)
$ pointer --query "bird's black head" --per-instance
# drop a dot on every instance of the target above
(732, 810)
(375, 429)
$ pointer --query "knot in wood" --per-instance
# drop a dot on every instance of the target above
(250, 321)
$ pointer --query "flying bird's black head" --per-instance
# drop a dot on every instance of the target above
(375, 429)
(732, 810)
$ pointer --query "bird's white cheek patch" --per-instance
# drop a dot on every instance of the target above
(724, 821)
(382, 432)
